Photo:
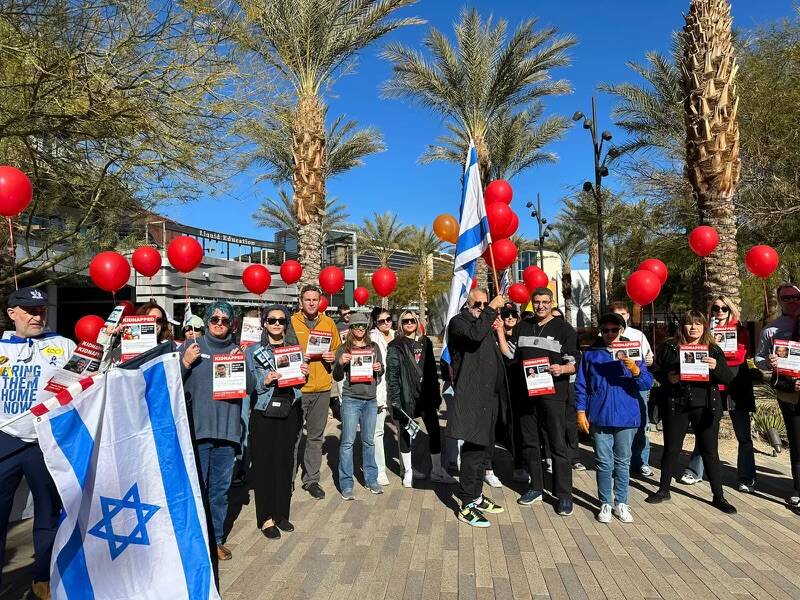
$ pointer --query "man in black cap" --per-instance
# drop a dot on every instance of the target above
(28, 359)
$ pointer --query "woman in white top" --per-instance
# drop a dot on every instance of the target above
(381, 334)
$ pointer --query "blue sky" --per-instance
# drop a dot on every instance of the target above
(610, 33)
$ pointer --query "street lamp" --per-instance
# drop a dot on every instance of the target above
(544, 227)
(600, 171)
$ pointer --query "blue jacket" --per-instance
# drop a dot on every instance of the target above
(607, 391)
(260, 395)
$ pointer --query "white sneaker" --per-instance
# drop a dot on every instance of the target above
(383, 479)
(549, 463)
(492, 480)
(522, 476)
(442, 477)
(623, 513)
(688, 478)
(407, 479)
(604, 516)
(646, 470)
(419, 475)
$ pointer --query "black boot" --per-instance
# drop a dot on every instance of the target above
(658, 497)
(725, 506)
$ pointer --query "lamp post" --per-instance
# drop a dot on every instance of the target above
(600, 171)
(544, 228)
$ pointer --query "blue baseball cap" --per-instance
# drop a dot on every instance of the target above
(27, 296)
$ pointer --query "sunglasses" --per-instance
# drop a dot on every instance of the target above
(358, 326)
(159, 321)
(480, 305)
(609, 330)
(409, 321)
(510, 315)
(792, 298)
(220, 321)
(196, 329)
(278, 320)
(717, 308)
(387, 321)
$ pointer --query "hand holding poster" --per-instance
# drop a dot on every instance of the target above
(623, 350)
(288, 361)
(230, 377)
(726, 338)
(692, 366)
(788, 354)
(361, 366)
(251, 331)
(138, 335)
(538, 379)
(84, 362)
(319, 342)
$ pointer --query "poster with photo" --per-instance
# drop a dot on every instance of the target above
(287, 362)
(621, 350)
(138, 335)
(538, 379)
(251, 331)
(727, 339)
(692, 366)
(361, 366)
(85, 361)
(229, 376)
(788, 354)
(319, 342)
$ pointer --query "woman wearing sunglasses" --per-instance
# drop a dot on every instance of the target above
(413, 390)
(737, 398)
(381, 335)
(216, 423)
(608, 391)
(359, 406)
(275, 418)
(695, 402)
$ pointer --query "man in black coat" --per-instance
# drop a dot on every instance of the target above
(481, 392)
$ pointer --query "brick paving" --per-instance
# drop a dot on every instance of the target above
(407, 544)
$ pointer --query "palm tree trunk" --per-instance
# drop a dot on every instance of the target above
(566, 289)
(308, 181)
(422, 292)
(722, 266)
(594, 281)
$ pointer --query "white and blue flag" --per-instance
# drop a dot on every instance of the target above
(121, 456)
(505, 282)
(473, 239)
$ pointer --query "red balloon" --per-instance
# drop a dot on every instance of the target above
(655, 266)
(474, 283)
(384, 281)
(518, 292)
(643, 287)
(534, 278)
(505, 253)
(762, 260)
(109, 271)
(323, 304)
(499, 216)
(331, 279)
(128, 308)
(361, 295)
(88, 328)
(146, 260)
(256, 278)
(498, 190)
(16, 191)
(185, 253)
(703, 240)
(513, 225)
(291, 271)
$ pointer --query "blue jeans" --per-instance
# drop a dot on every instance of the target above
(612, 448)
(745, 461)
(357, 412)
(640, 453)
(216, 470)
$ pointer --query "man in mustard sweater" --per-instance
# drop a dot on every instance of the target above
(317, 391)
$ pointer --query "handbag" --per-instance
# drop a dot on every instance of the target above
(279, 408)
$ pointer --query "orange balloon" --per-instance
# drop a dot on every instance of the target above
(446, 228)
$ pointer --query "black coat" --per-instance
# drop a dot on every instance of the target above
(477, 364)
(407, 387)
(671, 395)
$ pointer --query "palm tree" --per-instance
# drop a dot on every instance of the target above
(423, 245)
(567, 245)
(382, 236)
(308, 43)
(713, 166)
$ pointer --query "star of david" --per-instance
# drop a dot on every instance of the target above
(111, 507)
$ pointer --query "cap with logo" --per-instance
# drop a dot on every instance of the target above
(27, 296)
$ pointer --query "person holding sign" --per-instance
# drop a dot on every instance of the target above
(275, 417)
(217, 426)
(608, 399)
(359, 405)
(737, 398)
(696, 401)
(381, 334)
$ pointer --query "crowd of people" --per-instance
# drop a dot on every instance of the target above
(607, 396)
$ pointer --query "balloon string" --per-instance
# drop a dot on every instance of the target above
(13, 248)
(766, 300)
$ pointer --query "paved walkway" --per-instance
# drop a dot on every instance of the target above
(408, 544)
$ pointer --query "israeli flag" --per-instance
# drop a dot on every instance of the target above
(473, 239)
(121, 456)
(505, 282)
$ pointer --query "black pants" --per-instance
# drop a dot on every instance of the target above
(272, 443)
(705, 424)
(551, 416)
(791, 417)
(25, 459)
(474, 458)
(570, 430)
(431, 419)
